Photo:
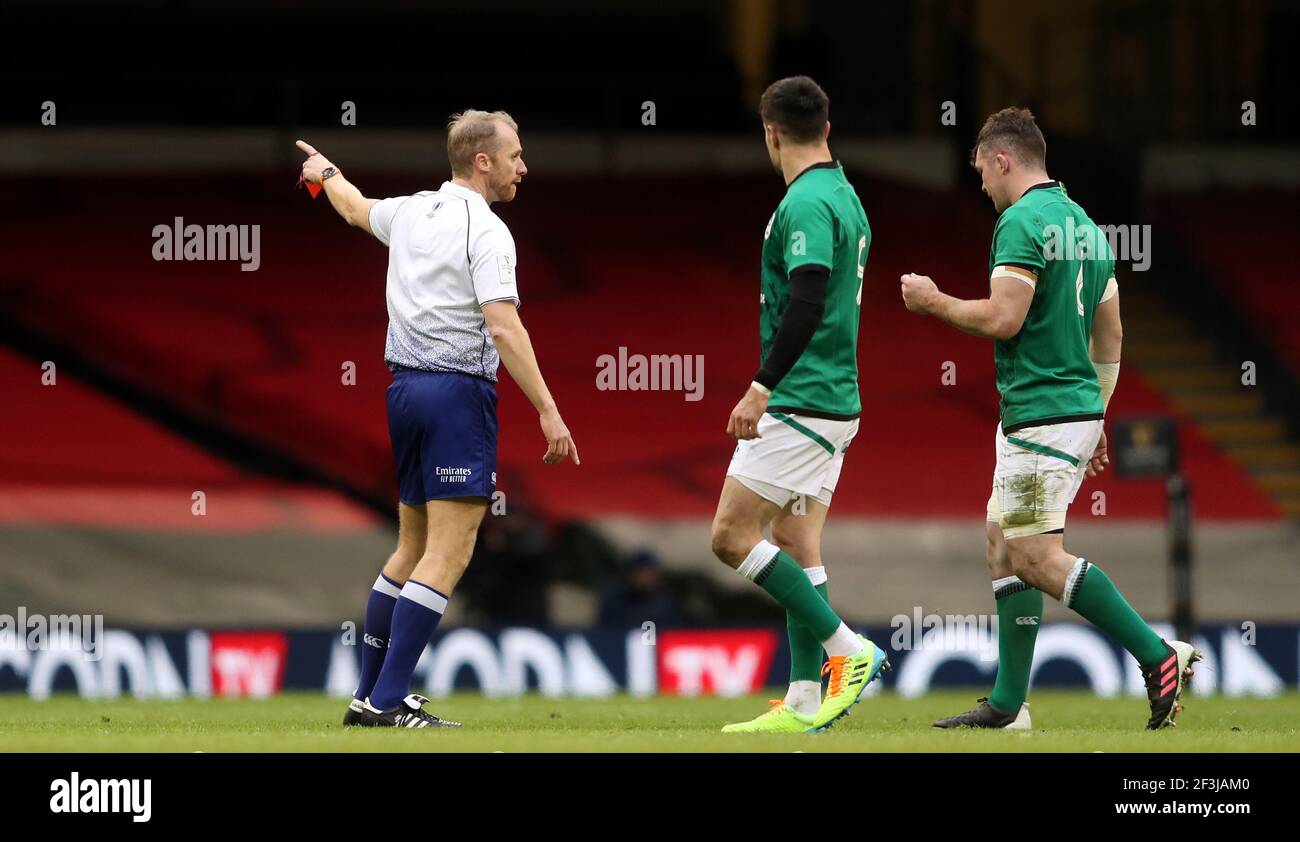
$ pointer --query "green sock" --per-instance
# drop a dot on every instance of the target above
(1015, 643)
(1090, 592)
(805, 649)
(785, 580)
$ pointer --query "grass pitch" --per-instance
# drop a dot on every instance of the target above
(1063, 721)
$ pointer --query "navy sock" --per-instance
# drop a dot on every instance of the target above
(418, 610)
(374, 636)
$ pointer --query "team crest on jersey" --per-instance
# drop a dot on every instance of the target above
(767, 231)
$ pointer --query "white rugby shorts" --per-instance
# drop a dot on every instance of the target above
(1039, 471)
(794, 455)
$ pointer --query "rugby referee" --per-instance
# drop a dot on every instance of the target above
(452, 317)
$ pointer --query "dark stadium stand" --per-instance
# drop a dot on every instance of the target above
(1237, 282)
(1245, 242)
(262, 352)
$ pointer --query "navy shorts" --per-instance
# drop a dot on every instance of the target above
(444, 431)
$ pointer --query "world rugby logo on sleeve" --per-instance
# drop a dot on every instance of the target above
(506, 268)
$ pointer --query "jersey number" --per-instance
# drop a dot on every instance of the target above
(862, 266)
(1078, 291)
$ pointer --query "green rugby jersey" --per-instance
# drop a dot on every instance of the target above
(820, 221)
(1044, 372)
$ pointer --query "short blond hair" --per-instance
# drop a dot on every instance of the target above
(471, 132)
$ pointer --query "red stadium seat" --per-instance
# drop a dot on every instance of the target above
(657, 270)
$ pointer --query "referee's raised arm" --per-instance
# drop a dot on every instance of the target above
(343, 194)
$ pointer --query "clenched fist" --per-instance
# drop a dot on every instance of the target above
(918, 292)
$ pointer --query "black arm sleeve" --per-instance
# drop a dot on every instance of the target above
(802, 316)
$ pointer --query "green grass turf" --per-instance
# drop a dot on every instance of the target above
(1063, 721)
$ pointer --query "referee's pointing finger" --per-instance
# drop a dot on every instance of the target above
(306, 147)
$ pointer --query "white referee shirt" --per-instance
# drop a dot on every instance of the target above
(448, 255)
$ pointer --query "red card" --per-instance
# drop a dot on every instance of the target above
(313, 189)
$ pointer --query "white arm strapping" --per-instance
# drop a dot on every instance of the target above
(1107, 376)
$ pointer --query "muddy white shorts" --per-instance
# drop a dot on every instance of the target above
(1039, 470)
(795, 455)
